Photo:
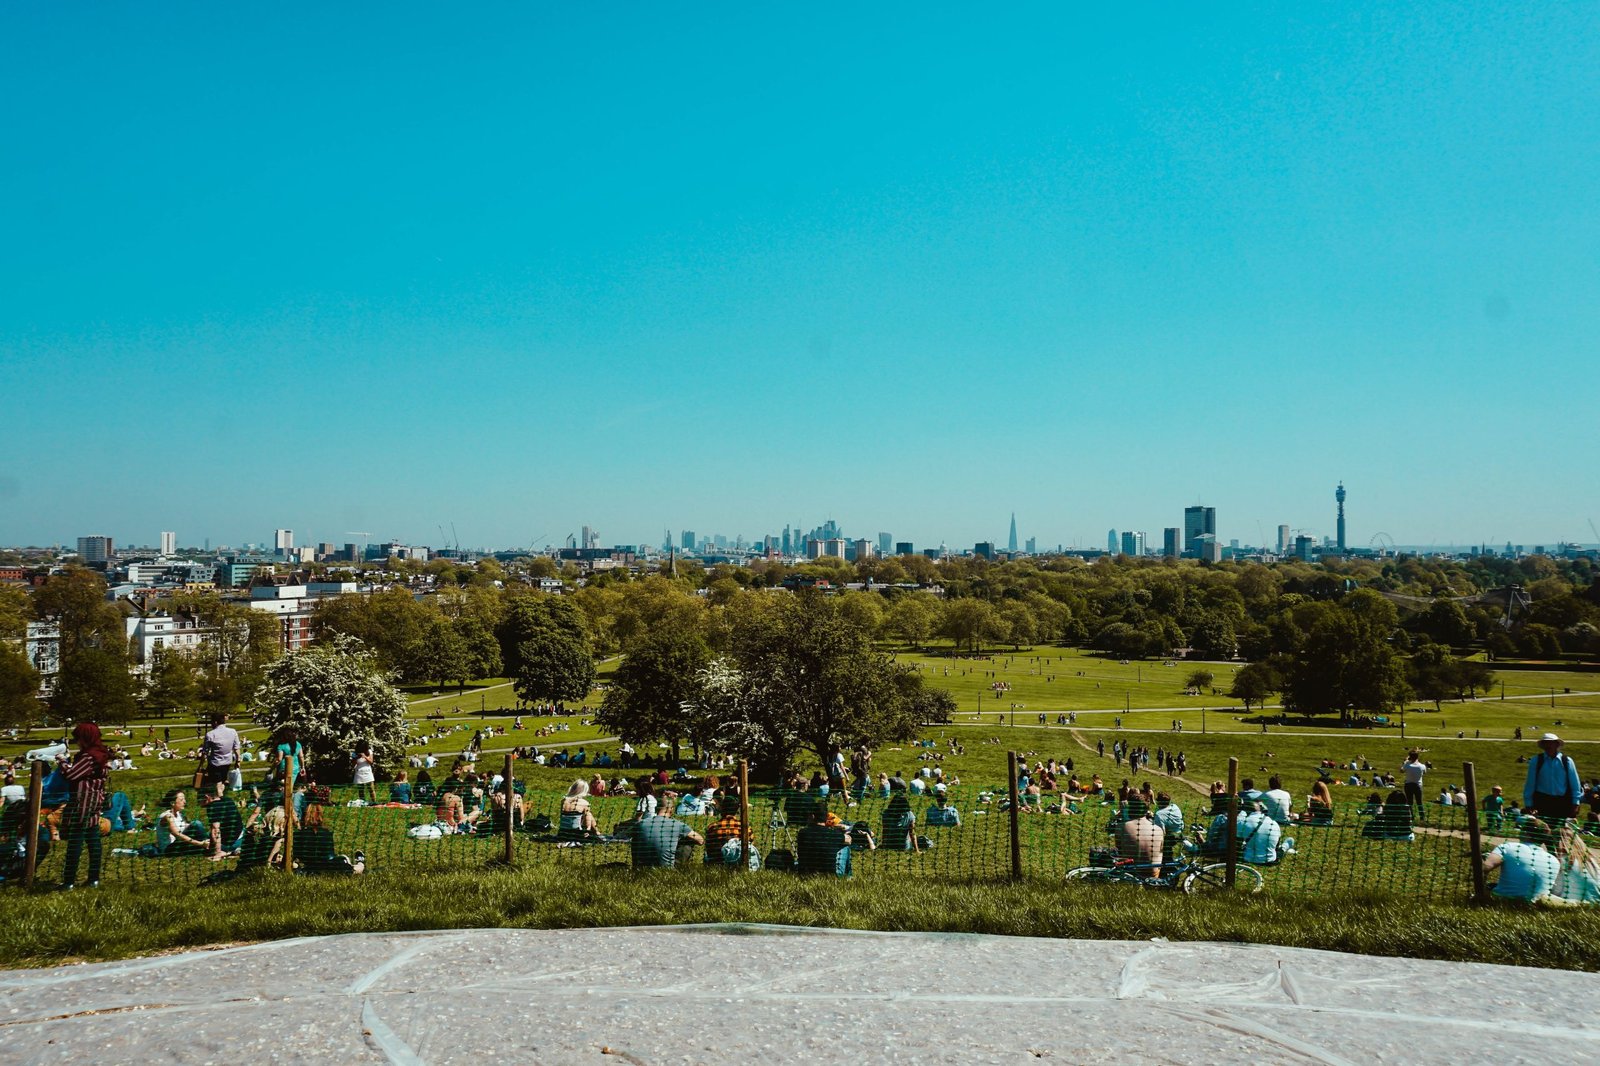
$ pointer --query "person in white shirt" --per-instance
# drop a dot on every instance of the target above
(1413, 769)
(1277, 801)
(916, 786)
(1445, 799)
(13, 792)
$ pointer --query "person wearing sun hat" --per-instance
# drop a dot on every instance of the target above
(1552, 790)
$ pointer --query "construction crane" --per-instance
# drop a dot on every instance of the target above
(1595, 531)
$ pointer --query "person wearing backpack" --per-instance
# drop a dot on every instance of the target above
(1552, 791)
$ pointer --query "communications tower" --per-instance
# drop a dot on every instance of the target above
(1338, 494)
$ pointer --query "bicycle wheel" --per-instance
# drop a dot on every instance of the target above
(1098, 875)
(1213, 877)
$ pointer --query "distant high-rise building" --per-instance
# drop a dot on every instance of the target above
(686, 540)
(788, 544)
(861, 549)
(1283, 540)
(1169, 542)
(1011, 542)
(353, 552)
(282, 540)
(834, 546)
(1031, 548)
(1338, 494)
(94, 550)
(1198, 522)
(904, 547)
(169, 542)
(1302, 547)
(1112, 544)
(984, 549)
(1210, 550)
(885, 543)
(1133, 544)
(591, 538)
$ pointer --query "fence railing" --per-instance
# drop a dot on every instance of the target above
(950, 834)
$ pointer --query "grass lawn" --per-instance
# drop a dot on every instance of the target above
(40, 930)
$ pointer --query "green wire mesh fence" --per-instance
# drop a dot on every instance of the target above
(961, 833)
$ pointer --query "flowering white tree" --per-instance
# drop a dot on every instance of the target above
(334, 696)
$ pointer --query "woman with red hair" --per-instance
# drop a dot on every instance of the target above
(81, 820)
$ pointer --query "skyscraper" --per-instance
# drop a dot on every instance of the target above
(169, 542)
(282, 539)
(591, 538)
(1032, 548)
(1283, 540)
(1133, 544)
(686, 539)
(95, 549)
(1169, 542)
(1338, 494)
(1011, 542)
(1111, 541)
(885, 544)
(1198, 521)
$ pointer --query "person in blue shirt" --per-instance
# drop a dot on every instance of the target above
(941, 813)
(1527, 871)
(1552, 791)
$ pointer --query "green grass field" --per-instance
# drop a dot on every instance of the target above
(40, 930)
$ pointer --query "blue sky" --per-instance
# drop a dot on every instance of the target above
(526, 267)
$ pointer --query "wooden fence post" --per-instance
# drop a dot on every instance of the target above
(744, 814)
(1016, 815)
(288, 813)
(1474, 835)
(1232, 838)
(30, 864)
(510, 797)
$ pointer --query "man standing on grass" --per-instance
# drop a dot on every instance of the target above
(1413, 769)
(220, 752)
(656, 837)
(1552, 791)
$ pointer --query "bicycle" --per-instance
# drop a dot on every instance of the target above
(1186, 873)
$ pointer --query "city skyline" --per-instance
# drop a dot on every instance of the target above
(528, 269)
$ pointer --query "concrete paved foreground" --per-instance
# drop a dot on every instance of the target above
(765, 994)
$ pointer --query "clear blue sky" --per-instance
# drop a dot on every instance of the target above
(522, 268)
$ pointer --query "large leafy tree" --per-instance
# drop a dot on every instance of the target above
(334, 695)
(1345, 665)
(1255, 683)
(914, 618)
(547, 650)
(19, 689)
(652, 694)
(806, 676)
(94, 685)
(173, 682)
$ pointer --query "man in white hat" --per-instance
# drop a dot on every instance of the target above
(1552, 790)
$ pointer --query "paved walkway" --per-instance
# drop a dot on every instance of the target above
(765, 994)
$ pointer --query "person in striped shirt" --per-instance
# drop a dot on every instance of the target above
(80, 822)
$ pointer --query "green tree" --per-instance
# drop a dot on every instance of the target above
(1431, 673)
(94, 685)
(1200, 680)
(75, 602)
(1213, 637)
(173, 682)
(335, 696)
(1346, 665)
(653, 692)
(547, 650)
(971, 622)
(19, 689)
(438, 654)
(483, 651)
(913, 618)
(805, 676)
(1255, 684)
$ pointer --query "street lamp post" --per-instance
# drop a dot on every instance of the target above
(1202, 720)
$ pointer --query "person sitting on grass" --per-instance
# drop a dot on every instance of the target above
(821, 848)
(1392, 820)
(899, 825)
(424, 792)
(941, 813)
(313, 847)
(175, 834)
(1277, 801)
(227, 824)
(1527, 870)
(1319, 805)
(724, 831)
(1579, 882)
(1256, 836)
(1138, 836)
(1169, 816)
(497, 810)
(577, 819)
(263, 840)
(400, 788)
(657, 837)
(450, 812)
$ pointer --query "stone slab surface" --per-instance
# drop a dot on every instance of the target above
(767, 994)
